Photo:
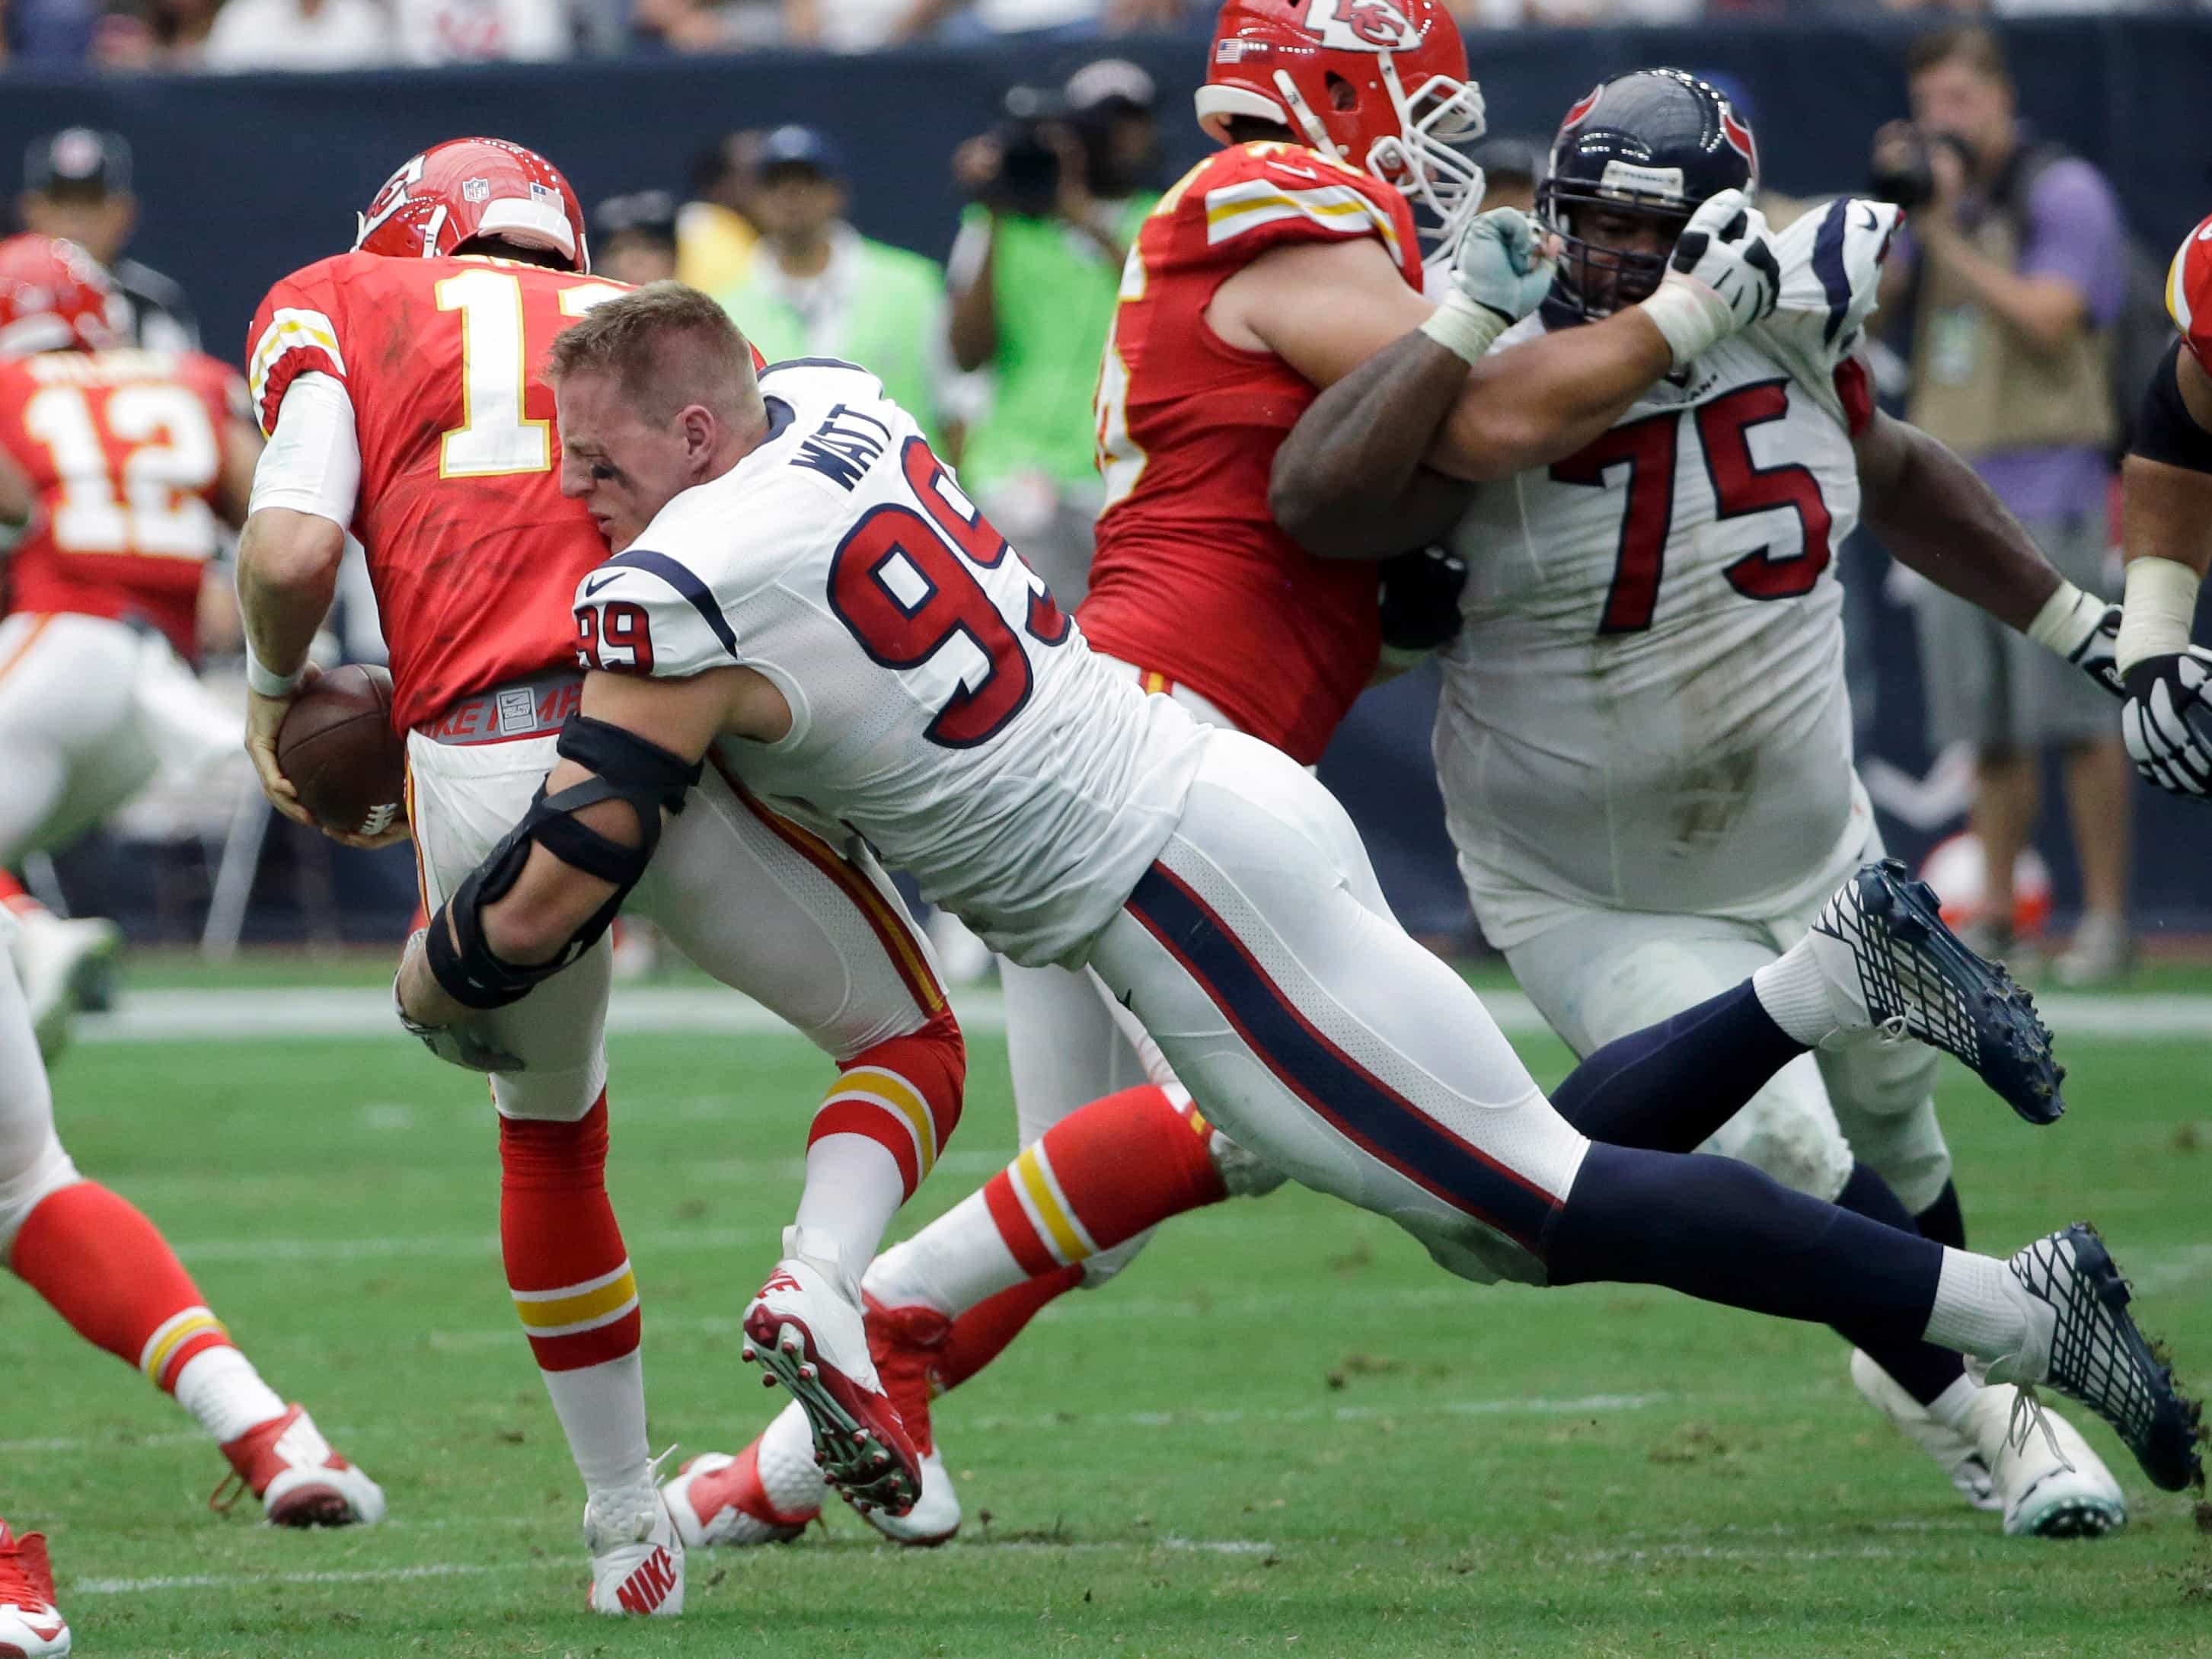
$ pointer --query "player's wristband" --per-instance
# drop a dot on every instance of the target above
(2157, 611)
(1689, 314)
(2067, 620)
(265, 682)
(1464, 327)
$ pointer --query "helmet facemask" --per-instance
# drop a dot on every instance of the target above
(1596, 279)
(1422, 158)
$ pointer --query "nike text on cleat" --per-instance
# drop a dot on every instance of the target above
(637, 1554)
(1897, 969)
(2086, 1346)
(300, 1481)
(805, 1329)
(31, 1626)
(716, 1498)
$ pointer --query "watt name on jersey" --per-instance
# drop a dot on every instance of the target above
(1646, 709)
(942, 706)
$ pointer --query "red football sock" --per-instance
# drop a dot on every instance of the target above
(981, 1333)
(903, 1094)
(1101, 1176)
(106, 1269)
(566, 1264)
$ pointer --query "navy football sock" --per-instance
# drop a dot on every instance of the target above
(1922, 1368)
(1670, 1086)
(1723, 1231)
(1943, 1221)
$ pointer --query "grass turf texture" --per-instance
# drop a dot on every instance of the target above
(1282, 1430)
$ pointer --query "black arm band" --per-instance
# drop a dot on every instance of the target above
(643, 775)
(2165, 429)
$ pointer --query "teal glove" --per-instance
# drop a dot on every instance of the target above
(1500, 265)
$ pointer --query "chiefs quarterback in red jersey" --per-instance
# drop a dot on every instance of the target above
(122, 467)
(398, 384)
(122, 462)
(1274, 269)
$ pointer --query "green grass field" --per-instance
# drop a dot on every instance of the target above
(1281, 1431)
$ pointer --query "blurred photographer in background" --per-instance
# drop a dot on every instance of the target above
(2011, 279)
(634, 237)
(76, 185)
(1059, 188)
(817, 288)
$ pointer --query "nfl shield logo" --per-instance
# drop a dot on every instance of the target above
(475, 190)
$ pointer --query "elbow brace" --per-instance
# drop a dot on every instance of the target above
(627, 769)
(2165, 429)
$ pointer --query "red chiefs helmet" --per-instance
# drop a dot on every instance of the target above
(53, 297)
(469, 187)
(1380, 84)
(2188, 292)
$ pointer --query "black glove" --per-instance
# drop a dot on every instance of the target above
(1420, 599)
(2166, 721)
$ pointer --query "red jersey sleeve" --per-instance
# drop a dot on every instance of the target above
(1253, 197)
(297, 329)
(2188, 292)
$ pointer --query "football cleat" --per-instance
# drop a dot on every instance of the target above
(287, 1464)
(905, 1343)
(31, 1625)
(2083, 1342)
(805, 1329)
(1893, 967)
(63, 963)
(716, 1498)
(1960, 1458)
(637, 1554)
(2048, 1483)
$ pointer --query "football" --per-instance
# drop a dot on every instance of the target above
(338, 747)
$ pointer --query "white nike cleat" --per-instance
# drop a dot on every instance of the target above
(2082, 1341)
(718, 1499)
(1960, 1458)
(805, 1329)
(2050, 1483)
(300, 1481)
(31, 1625)
(60, 961)
(637, 1554)
(1892, 966)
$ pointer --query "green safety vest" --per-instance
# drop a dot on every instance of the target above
(1053, 293)
(898, 302)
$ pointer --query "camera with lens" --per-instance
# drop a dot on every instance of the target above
(1028, 181)
(1909, 179)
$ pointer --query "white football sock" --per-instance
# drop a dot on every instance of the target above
(1794, 994)
(785, 1463)
(853, 1188)
(955, 1262)
(602, 1411)
(1955, 1408)
(1977, 1310)
(220, 1389)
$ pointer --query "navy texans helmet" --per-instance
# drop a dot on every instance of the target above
(1652, 145)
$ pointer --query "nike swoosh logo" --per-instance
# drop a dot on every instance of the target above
(593, 584)
(1125, 997)
(1873, 220)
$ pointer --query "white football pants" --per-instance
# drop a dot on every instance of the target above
(1304, 1020)
(32, 1162)
(1600, 975)
(90, 710)
(815, 933)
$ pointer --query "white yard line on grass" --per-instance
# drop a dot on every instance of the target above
(246, 1581)
(227, 1016)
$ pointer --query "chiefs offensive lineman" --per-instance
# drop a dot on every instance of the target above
(2166, 518)
(398, 384)
(122, 467)
(120, 459)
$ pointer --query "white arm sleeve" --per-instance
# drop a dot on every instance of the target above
(312, 461)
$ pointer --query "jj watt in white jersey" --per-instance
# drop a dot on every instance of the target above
(1646, 709)
(824, 556)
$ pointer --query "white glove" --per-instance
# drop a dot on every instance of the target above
(2166, 721)
(1499, 274)
(1723, 276)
